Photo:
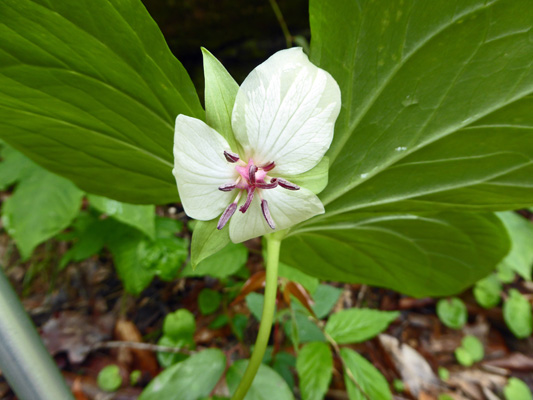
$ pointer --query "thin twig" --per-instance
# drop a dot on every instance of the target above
(282, 23)
(361, 295)
(113, 344)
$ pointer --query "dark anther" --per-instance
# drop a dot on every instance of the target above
(287, 185)
(226, 215)
(231, 157)
(228, 187)
(268, 166)
(273, 183)
(251, 174)
(266, 214)
(249, 198)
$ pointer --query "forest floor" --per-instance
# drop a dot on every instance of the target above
(82, 312)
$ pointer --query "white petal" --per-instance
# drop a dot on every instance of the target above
(200, 168)
(287, 208)
(285, 112)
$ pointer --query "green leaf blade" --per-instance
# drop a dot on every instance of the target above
(417, 98)
(367, 377)
(97, 85)
(421, 255)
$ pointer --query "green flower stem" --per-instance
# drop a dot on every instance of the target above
(269, 305)
(24, 360)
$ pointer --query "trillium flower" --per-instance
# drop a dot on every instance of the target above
(283, 120)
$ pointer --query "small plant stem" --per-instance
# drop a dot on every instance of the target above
(269, 305)
(282, 23)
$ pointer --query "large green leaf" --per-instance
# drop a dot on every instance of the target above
(436, 103)
(90, 91)
(437, 254)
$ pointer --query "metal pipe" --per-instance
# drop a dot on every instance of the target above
(28, 367)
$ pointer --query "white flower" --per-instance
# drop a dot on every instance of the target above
(283, 119)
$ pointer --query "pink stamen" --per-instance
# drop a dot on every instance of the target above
(266, 214)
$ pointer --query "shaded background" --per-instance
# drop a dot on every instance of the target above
(240, 33)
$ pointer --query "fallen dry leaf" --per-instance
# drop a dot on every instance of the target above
(415, 371)
(75, 333)
(143, 359)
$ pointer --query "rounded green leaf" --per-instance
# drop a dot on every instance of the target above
(135, 376)
(444, 374)
(452, 312)
(474, 347)
(315, 367)
(516, 389)
(357, 325)
(109, 378)
(487, 291)
(191, 379)
(208, 301)
(179, 325)
(517, 314)
(398, 385)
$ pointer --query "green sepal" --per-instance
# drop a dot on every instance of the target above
(207, 240)
(220, 92)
